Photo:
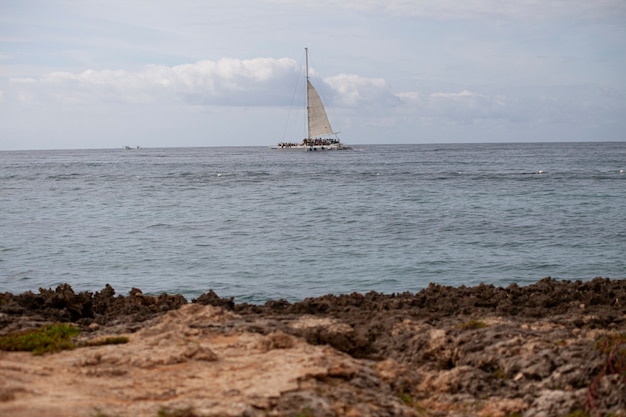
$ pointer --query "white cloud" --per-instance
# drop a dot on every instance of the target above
(409, 96)
(267, 82)
(467, 106)
(235, 82)
(355, 90)
(478, 9)
(212, 82)
(464, 107)
(24, 80)
(454, 96)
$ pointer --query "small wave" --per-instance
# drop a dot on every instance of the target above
(257, 174)
(62, 177)
(156, 225)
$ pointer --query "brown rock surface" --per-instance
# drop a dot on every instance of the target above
(547, 349)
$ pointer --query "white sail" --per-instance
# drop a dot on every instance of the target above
(318, 120)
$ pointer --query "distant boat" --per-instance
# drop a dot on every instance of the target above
(320, 135)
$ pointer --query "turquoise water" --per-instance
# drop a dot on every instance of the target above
(258, 224)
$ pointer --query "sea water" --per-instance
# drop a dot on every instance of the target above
(256, 223)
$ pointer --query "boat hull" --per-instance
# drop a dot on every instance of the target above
(313, 148)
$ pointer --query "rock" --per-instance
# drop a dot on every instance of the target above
(479, 351)
(549, 403)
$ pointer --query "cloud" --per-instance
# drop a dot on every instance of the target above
(533, 106)
(233, 82)
(467, 106)
(269, 82)
(479, 9)
(353, 90)
(463, 107)
(225, 81)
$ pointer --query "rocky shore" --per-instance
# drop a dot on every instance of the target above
(553, 348)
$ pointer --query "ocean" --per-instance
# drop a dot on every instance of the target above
(258, 224)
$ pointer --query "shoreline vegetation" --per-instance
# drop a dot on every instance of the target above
(552, 348)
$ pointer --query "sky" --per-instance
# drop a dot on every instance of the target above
(78, 74)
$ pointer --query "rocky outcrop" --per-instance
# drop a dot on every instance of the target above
(554, 348)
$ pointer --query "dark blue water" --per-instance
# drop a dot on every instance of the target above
(258, 224)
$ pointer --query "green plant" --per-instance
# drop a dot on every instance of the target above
(614, 345)
(499, 373)
(49, 338)
(52, 338)
(97, 412)
(409, 400)
(307, 412)
(406, 399)
(578, 413)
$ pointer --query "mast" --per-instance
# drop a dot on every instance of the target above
(308, 125)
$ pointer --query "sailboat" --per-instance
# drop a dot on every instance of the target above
(320, 135)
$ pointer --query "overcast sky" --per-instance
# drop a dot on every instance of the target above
(104, 74)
